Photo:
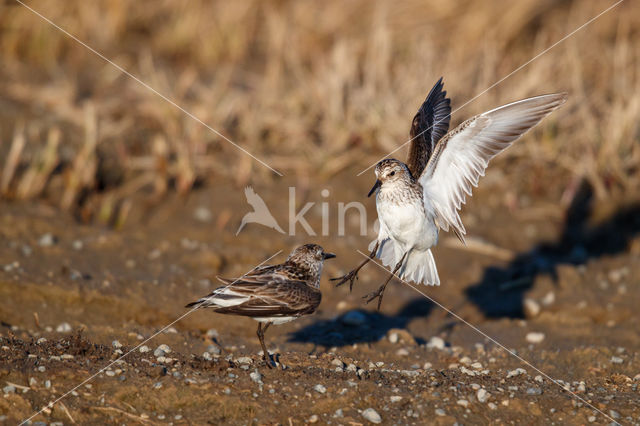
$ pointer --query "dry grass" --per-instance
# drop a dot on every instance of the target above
(308, 87)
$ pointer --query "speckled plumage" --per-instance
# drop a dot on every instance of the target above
(417, 199)
(272, 294)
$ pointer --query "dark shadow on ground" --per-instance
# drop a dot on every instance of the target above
(360, 326)
(501, 291)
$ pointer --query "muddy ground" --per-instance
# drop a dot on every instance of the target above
(557, 285)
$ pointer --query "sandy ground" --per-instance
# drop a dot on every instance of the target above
(558, 290)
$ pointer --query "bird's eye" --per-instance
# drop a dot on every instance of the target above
(392, 173)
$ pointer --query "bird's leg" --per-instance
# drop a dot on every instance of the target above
(265, 352)
(353, 275)
(378, 293)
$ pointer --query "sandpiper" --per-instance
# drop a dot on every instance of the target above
(272, 294)
(416, 199)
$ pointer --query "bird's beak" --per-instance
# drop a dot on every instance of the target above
(375, 187)
(328, 256)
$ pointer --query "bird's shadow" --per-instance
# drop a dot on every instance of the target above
(360, 326)
(501, 291)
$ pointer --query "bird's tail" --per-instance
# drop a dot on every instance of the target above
(420, 267)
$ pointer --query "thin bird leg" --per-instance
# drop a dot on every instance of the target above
(353, 275)
(265, 353)
(379, 293)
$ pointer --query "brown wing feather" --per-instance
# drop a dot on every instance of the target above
(430, 123)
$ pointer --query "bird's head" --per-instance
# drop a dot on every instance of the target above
(309, 253)
(390, 171)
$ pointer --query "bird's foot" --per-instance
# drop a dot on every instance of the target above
(268, 360)
(376, 294)
(351, 277)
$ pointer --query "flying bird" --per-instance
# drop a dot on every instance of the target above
(417, 199)
(260, 213)
(272, 294)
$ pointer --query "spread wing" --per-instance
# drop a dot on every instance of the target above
(430, 123)
(462, 156)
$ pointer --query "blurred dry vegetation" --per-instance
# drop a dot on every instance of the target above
(312, 88)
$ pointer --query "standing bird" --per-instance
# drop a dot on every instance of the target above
(416, 199)
(272, 294)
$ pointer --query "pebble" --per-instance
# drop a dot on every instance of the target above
(320, 388)
(534, 391)
(436, 343)
(207, 356)
(41, 340)
(614, 414)
(440, 412)
(144, 349)
(110, 373)
(492, 406)
(65, 327)
(77, 245)
(336, 362)
(338, 413)
(535, 337)
(372, 415)
(212, 333)
(47, 384)
(314, 418)
(482, 395)
(402, 352)
(116, 344)
(353, 318)
(531, 308)
(591, 419)
(214, 349)
(395, 398)
(157, 385)
(393, 338)
(244, 360)
(32, 381)
(9, 389)
(161, 350)
(516, 372)
(616, 360)
(463, 402)
(256, 376)
(203, 214)
(47, 240)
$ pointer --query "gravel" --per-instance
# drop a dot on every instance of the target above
(353, 318)
(436, 343)
(516, 372)
(482, 395)
(320, 388)
(47, 240)
(161, 350)
(256, 376)
(440, 412)
(372, 415)
(144, 349)
(534, 391)
(65, 327)
(535, 337)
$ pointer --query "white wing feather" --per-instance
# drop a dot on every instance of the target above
(462, 156)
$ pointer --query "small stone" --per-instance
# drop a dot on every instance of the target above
(591, 419)
(614, 414)
(47, 240)
(336, 362)
(440, 412)
(395, 398)
(436, 343)
(616, 360)
(534, 391)
(144, 349)
(353, 318)
(65, 327)
(41, 340)
(482, 395)
(402, 352)
(549, 298)
(116, 344)
(531, 308)
(214, 349)
(476, 365)
(372, 415)
(47, 384)
(32, 381)
(314, 418)
(338, 413)
(212, 333)
(77, 245)
(256, 376)
(492, 406)
(393, 338)
(463, 402)
(535, 337)
(161, 350)
(9, 389)
(320, 388)
(244, 360)
(516, 372)
(203, 214)
(538, 378)
(207, 356)
(157, 385)
(110, 373)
